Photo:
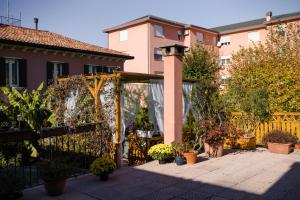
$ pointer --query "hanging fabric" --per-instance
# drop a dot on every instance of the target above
(186, 100)
(157, 102)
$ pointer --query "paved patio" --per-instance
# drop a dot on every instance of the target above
(238, 175)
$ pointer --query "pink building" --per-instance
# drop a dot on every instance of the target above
(30, 56)
(142, 38)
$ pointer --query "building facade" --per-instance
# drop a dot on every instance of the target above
(143, 37)
(30, 56)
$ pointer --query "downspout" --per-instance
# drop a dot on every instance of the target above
(148, 48)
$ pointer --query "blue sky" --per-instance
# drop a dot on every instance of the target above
(85, 19)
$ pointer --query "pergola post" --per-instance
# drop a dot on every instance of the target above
(173, 68)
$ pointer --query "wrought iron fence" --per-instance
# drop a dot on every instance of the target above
(77, 146)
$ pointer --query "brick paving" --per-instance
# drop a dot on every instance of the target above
(248, 175)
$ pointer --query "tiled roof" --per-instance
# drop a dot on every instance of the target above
(152, 17)
(256, 22)
(46, 39)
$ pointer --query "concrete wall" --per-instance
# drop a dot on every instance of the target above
(136, 45)
(37, 64)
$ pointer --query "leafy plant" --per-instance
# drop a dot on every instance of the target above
(178, 148)
(143, 121)
(54, 170)
(103, 165)
(273, 66)
(161, 152)
(278, 136)
(215, 133)
(30, 105)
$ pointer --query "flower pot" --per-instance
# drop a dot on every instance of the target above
(55, 188)
(246, 143)
(216, 150)
(297, 146)
(280, 148)
(191, 157)
(179, 160)
(164, 161)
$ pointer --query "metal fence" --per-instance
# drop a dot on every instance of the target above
(76, 146)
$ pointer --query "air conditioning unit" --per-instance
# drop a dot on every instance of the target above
(219, 44)
(186, 32)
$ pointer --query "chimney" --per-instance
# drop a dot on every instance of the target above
(269, 16)
(36, 21)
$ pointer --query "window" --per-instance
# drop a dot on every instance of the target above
(55, 70)
(225, 60)
(199, 37)
(13, 72)
(179, 35)
(123, 35)
(158, 31)
(93, 69)
(214, 41)
(225, 40)
(281, 29)
(158, 72)
(253, 37)
(157, 54)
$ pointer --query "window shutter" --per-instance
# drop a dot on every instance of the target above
(22, 73)
(49, 73)
(65, 69)
(86, 69)
(2, 72)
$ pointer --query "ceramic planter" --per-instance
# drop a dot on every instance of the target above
(164, 161)
(179, 160)
(297, 146)
(191, 157)
(280, 148)
(55, 188)
(216, 150)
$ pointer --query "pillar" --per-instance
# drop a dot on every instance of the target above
(173, 73)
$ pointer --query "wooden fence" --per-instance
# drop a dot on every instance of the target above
(285, 121)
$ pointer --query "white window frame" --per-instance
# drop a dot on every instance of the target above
(10, 62)
(226, 59)
(225, 40)
(158, 31)
(199, 37)
(110, 69)
(123, 35)
(253, 36)
(57, 69)
(157, 51)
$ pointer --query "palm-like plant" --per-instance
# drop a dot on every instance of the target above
(32, 106)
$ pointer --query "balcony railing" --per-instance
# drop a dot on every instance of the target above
(10, 21)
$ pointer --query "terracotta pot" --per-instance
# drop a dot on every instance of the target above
(191, 157)
(216, 150)
(297, 146)
(55, 188)
(280, 148)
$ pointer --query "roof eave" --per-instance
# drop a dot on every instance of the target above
(242, 29)
(189, 26)
(27, 44)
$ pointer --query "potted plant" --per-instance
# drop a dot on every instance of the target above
(161, 152)
(297, 145)
(143, 124)
(189, 153)
(214, 137)
(279, 141)
(179, 149)
(54, 173)
(10, 186)
(102, 167)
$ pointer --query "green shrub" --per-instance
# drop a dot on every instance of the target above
(103, 165)
(54, 170)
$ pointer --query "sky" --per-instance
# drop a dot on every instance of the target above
(84, 20)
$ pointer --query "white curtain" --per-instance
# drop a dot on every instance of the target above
(157, 102)
(186, 100)
(130, 104)
(71, 110)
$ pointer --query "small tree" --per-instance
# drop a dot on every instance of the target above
(273, 67)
